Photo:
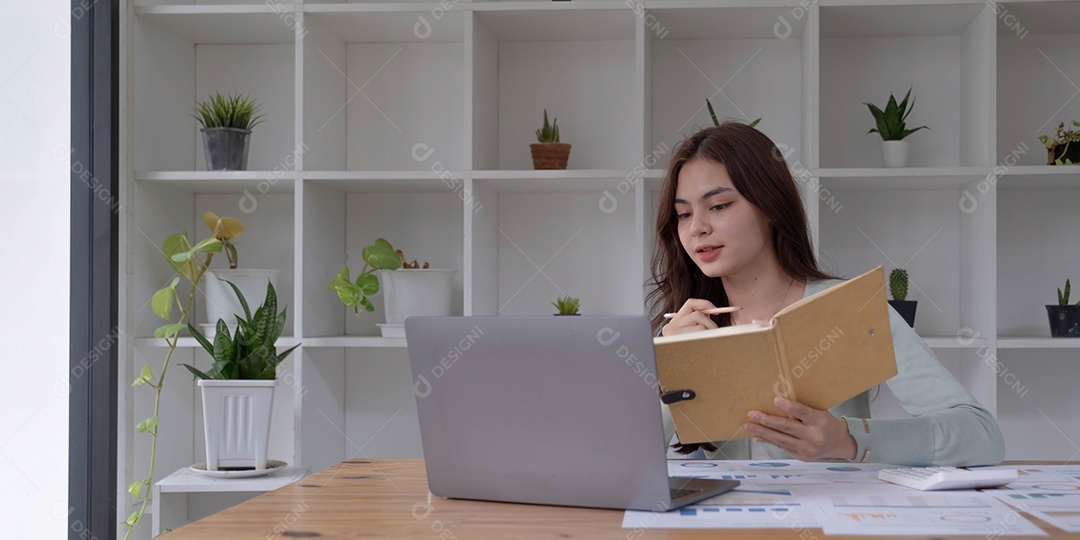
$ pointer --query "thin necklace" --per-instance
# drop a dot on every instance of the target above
(778, 304)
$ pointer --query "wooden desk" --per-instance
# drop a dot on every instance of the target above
(390, 499)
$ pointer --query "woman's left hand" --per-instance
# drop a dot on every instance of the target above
(809, 435)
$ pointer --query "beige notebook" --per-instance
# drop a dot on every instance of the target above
(820, 351)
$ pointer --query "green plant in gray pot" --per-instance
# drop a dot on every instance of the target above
(1064, 317)
(898, 286)
(226, 122)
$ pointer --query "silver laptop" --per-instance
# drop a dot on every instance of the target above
(545, 410)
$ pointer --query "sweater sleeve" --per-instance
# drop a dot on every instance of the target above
(948, 426)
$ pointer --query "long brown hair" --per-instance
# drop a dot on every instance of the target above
(761, 175)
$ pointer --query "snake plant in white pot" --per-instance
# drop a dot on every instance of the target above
(238, 391)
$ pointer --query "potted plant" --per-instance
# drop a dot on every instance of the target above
(1064, 318)
(238, 391)
(898, 286)
(226, 122)
(190, 262)
(549, 153)
(567, 305)
(1064, 147)
(891, 126)
(409, 288)
(221, 303)
(712, 114)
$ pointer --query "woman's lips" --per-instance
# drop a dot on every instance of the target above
(706, 256)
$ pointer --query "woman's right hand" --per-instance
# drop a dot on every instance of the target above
(690, 318)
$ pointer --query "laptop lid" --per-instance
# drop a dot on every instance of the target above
(548, 410)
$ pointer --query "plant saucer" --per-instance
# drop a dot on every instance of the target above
(272, 465)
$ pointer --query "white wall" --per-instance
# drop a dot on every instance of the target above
(35, 93)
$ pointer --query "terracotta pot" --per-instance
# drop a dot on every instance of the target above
(550, 155)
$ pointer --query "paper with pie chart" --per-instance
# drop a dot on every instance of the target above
(921, 514)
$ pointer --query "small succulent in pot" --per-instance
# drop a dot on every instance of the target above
(567, 305)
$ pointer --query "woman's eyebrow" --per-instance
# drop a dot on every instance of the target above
(707, 194)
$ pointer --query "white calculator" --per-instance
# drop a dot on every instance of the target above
(935, 478)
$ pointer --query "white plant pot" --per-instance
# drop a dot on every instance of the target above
(236, 418)
(420, 291)
(221, 300)
(895, 153)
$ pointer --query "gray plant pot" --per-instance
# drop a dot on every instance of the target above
(226, 149)
(1064, 320)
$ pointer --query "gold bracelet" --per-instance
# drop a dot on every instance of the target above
(866, 454)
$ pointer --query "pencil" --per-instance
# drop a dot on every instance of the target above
(712, 311)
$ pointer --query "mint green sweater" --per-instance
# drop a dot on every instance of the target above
(947, 427)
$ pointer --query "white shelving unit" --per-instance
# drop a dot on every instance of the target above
(412, 120)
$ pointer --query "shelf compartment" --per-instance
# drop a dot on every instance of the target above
(284, 342)
(369, 104)
(1036, 243)
(173, 71)
(590, 52)
(224, 24)
(426, 225)
(940, 51)
(856, 235)
(1037, 77)
(734, 56)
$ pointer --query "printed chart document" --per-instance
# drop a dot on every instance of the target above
(841, 498)
(921, 514)
(819, 351)
(1055, 502)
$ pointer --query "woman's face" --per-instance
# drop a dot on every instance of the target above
(721, 231)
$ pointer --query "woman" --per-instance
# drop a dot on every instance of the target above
(731, 231)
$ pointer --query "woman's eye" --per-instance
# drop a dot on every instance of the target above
(720, 207)
(682, 216)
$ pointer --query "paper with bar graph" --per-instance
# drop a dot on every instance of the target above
(1054, 502)
(733, 510)
(922, 514)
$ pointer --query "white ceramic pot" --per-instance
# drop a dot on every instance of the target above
(409, 292)
(895, 153)
(236, 418)
(221, 300)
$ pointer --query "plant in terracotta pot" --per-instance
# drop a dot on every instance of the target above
(221, 303)
(410, 289)
(1064, 318)
(712, 114)
(226, 122)
(549, 153)
(1063, 148)
(893, 129)
(244, 371)
(567, 305)
(898, 286)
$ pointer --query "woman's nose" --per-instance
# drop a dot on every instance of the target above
(698, 226)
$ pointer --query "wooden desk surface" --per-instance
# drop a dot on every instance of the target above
(386, 498)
